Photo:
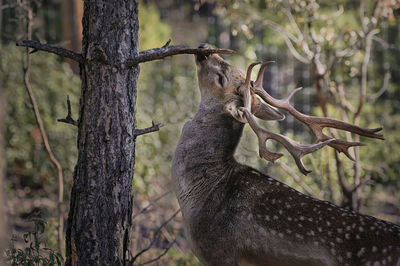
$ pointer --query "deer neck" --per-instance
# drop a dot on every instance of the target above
(204, 155)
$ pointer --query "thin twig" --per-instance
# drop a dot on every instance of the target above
(294, 24)
(383, 89)
(165, 51)
(159, 256)
(38, 46)
(43, 134)
(363, 88)
(154, 127)
(153, 240)
(288, 38)
(150, 204)
(68, 119)
(167, 43)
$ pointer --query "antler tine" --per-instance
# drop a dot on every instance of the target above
(317, 124)
(248, 74)
(295, 149)
(260, 76)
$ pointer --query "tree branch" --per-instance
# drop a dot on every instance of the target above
(154, 127)
(288, 38)
(68, 119)
(165, 51)
(57, 166)
(150, 204)
(159, 256)
(38, 46)
(364, 65)
(143, 56)
(383, 89)
(153, 240)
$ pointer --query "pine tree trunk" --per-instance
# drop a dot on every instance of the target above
(101, 199)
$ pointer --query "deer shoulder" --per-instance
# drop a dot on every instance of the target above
(236, 215)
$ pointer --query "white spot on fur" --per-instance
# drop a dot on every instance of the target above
(360, 252)
(299, 236)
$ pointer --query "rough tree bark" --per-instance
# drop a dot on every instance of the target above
(101, 199)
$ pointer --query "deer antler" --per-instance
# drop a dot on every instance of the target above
(316, 124)
(296, 150)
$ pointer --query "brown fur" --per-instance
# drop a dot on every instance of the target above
(235, 215)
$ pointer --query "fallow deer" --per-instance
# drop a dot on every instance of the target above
(236, 215)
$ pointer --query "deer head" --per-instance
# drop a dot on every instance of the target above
(222, 84)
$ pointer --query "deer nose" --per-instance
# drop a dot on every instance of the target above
(204, 46)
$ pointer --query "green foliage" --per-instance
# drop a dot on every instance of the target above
(33, 253)
(167, 93)
(175, 257)
(52, 80)
(152, 31)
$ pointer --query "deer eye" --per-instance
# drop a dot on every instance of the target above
(220, 79)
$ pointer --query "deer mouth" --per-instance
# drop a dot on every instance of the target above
(200, 58)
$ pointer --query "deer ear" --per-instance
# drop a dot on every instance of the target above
(265, 112)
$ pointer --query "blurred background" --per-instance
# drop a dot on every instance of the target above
(346, 55)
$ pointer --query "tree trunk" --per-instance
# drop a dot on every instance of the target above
(101, 199)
